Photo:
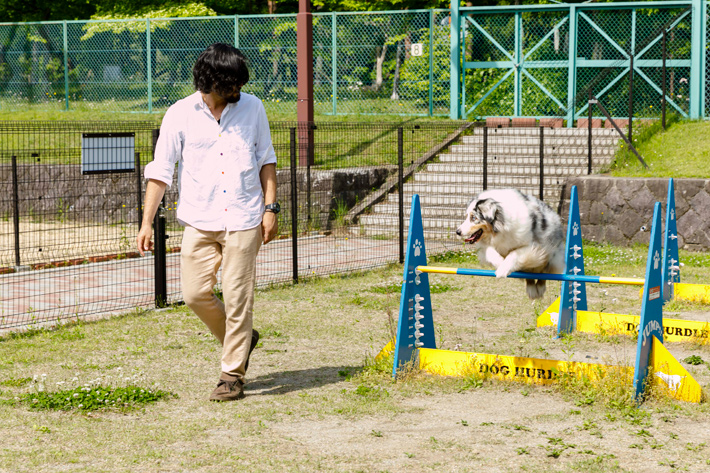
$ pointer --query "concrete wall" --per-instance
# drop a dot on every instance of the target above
(328, 187)
(614, 210)
(62, 192)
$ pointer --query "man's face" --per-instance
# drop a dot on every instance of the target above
(233, 96)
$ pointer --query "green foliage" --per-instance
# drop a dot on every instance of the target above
(168, 11)
(86, 398)
(694, 360)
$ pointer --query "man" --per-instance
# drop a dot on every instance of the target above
(221, 140)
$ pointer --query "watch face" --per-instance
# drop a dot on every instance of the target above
(275, 207)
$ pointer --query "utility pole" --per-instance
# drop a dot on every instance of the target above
(304, 43)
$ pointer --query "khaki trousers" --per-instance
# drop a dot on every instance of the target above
(202, 254)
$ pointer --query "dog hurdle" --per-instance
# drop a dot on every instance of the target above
(415, 341)
(569, 312)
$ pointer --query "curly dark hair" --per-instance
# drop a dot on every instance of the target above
(220, 68)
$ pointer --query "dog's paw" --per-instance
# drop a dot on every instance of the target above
(534, 289)
(502, 272)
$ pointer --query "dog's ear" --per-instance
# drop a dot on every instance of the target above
(492, 213)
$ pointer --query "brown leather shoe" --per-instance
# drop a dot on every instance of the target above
(254, 341)
(229, 388)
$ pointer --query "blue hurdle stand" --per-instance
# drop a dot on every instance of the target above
(573, 294)
(671, 260)
(415, 328)
(651, 306)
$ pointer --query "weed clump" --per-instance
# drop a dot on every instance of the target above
(94, 398)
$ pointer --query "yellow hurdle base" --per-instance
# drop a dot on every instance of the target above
(674, 330)
(668, 375)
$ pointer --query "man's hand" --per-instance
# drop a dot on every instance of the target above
(143, 240)
(269, 226)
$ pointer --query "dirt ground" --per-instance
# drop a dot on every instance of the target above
(316, 402)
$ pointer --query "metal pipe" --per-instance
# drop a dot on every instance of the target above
(663, 88)
(294, 207)
(522, 275)
(542, 162)
(16, 210)
(589, 132)
(400, 165)
(485, 157)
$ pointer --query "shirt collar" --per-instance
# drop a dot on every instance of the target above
(201, 105)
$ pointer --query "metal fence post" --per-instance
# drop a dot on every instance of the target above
(485, 158)
(66, 65)
(431, 63)
(631, 93)
(16, 210)
(589, 132)
(159, 257)
(334, 61)
(400, 180)
(149, 65)
(294, 206)
(139, 187)
(160, 262)
(311, 160)
(236, 31)
(542, 159)
(663, 88)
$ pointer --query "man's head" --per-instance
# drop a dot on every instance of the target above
(222, 69)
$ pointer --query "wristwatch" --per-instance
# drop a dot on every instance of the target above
(275, 208)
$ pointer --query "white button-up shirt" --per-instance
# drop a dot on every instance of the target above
(218, 163)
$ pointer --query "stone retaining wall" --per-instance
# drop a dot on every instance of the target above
(620, 210)
(330, 188)
(62, 192)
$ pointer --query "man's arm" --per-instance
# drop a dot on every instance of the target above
(269, 224)
(154, 192)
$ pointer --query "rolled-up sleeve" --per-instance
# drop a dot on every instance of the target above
(265, 153)
(168, 149)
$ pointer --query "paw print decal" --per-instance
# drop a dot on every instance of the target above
(417, 247)
(575, 229)
(656, 259)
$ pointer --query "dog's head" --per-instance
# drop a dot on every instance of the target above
(484, 217)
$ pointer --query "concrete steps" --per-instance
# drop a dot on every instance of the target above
(447, 186)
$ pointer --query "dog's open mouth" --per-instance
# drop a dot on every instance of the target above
(475, 237)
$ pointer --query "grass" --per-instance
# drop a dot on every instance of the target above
(275, 112)
(319, 400)
(681, 151)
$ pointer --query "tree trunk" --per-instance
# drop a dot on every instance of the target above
(379, 61)
(395, 83)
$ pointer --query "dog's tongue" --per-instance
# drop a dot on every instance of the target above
(474, 238)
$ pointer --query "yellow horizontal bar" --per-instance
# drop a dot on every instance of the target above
(625, 281)
(436, 269)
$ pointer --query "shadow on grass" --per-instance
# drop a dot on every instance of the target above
(297, 380)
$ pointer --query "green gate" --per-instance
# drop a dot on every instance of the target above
(541, 60)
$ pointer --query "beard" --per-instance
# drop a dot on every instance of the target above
(234, 98)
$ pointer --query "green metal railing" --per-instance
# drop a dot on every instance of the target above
(530, 60)
(373, 63)
(539, 60)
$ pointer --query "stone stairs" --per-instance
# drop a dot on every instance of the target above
(447, 186)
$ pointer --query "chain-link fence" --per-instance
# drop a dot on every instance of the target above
(371, 63)
(71, 204)
(518, 61)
